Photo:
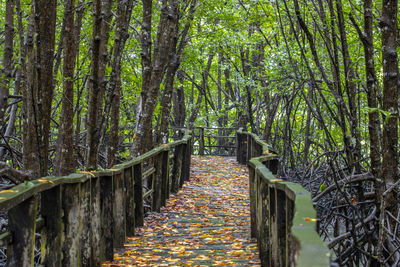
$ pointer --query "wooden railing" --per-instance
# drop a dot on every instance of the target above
(283, 218)
(214, 141)
(84, 216)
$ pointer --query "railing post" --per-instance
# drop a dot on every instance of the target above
(186, 161)
(95, 222)
(119, 210)
(249, 148)
(86, 229)
(72, 222)
(157, 194)
(129, 201)
(164, 177)
(22, 225)
(107, 220)
(52, 230)
(264, 221)
(177, 169)
(201, 140)
(253, 200)
(238, 147)
(139, 207)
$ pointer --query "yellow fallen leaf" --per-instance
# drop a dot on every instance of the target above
(45, 181)
(308, 219)
(8, 191)
(276, 180)
(86, 172)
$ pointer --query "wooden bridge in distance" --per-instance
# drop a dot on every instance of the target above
(86, 217)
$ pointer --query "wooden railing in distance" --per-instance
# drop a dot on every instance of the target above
(283, 218)
(84, 216)
(214, 141)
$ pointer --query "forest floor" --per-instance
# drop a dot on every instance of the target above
(206, 223)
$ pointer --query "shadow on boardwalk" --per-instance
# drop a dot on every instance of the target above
(207, 223)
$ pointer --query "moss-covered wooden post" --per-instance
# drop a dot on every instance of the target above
(239, 145)
(164, 177)
(119, 210)
(22, 225)
(253, 201)
(281, 226)
(95, 223)
(129, 201)
(106, 217)
(86, 229)
(72, 223)
(52, 230)
(264, 222)
(185, 163)
(176, 169)
(139, 207)
(157, 182)
(249, 148)
(201, 141)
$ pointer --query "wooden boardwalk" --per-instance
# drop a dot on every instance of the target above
(206, 224)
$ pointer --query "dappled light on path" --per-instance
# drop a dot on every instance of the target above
(206, 223)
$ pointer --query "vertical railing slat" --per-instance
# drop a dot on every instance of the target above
(106, 217)
(52, 230)
(22, 225)
(139, 207)
(129, 201)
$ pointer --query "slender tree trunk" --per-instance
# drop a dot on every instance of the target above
(8, 55)
(65, 150)
(144, 134)
(124, 12)
(389, 170)
(45, 17)
(175, 61)
(94, 90)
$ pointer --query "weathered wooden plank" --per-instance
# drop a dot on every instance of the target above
(165, 177)
(119, 210)
(149, 172)
(85, 229)
(19, 193)
(201, 142)
(53, 230)
(157, 183)
(129, 201)
(139, 207)
(95, 223)
(22, 225)
(106, 217)
(176, 169)
(72, 224)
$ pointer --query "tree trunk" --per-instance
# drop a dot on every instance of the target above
(144, 135)
(124, 12)
(93, 132)
(65, 150)
(389, 171)
(8, 55)
(175, 61)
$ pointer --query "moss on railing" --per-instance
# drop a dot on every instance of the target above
(283, 218)
(84, 216)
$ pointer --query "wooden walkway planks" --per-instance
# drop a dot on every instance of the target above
(206, 223)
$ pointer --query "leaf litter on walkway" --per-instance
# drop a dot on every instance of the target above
(207, 223)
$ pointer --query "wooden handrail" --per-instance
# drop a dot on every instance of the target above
(84, 216)
(283, 218)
